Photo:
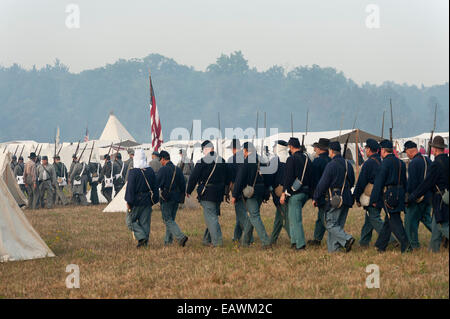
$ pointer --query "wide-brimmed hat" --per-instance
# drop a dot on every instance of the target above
(438, 142)
(322, 143)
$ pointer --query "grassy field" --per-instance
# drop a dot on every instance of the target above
(111, 267)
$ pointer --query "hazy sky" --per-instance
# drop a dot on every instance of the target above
(411, 45)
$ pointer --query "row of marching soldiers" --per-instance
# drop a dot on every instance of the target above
(46, 185)
(291, 178)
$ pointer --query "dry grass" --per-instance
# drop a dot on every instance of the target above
(111, 267)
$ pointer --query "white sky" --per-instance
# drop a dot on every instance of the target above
(411, 46)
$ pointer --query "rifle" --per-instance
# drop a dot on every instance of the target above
(37, 146)
(81, 155)
(4, 150)
(348, 136)
(90, 155)
(59, 150)
(382, 126)
(39, 153)
(264, 135)
(306, 132)
(109, 151)
(432, 132)
(192, 154)
(217, 142)
(21, 152)
(256, 131)
(292, 126)
(392, 122)
(55, 148)
(17, 147)
(78, 146)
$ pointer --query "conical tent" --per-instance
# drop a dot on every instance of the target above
(115, 132)
(18, 239)
(7, 175)
(118, 204)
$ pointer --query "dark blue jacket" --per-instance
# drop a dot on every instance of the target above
(437, 175)
(164, 178)
(137, 192)
(246, 176)
(233, 165)
(368, 173)
(277, 179)
(294, 169)
(416, 171)
(333, 177)
(318, 167)
(215, 190)
(389, 176)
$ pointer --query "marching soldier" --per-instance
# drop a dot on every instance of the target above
(94, 173)
(233, 165)
(129, 163)
(390, 186)
(118, 173)
(30, 179)
(210, 174)
(436, 181)
(18, 173)
(318, 166)
(186, 165)
(281, 220)
(79, 179)
(13, 162)
(61, 181)
(47, 181)
(364, 186)
(249, 177)
(335, 183)
(106, 178)
(141, 194)
(154, 163)
(297, 185)
(420, 210)
(72, 166)
(172, 186)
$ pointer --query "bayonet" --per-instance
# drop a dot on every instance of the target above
(392, 121)
(17, 147)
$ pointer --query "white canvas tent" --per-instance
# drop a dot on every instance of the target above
(7, 175)
(18, 239)
(115, 132)
(118, 204)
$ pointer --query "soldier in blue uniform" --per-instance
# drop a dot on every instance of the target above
(297, 185)
(337, 180)
(420, 209)
(249, 175)
(318, 166)
(437, 182)
(281, 220)
(365, 182)
(390, 186)
(233, 165)
(141, 194)
(172, 185)
(211, 175)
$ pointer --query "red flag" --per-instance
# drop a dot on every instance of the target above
(154, 120)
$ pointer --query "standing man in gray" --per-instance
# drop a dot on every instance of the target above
(30, 179)
(185, 164)
(154, 163)
(61, 181)
(118, 173)
(79, 179)
(47, 181)
(172, 187)
(129, 163)
(18, 173)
